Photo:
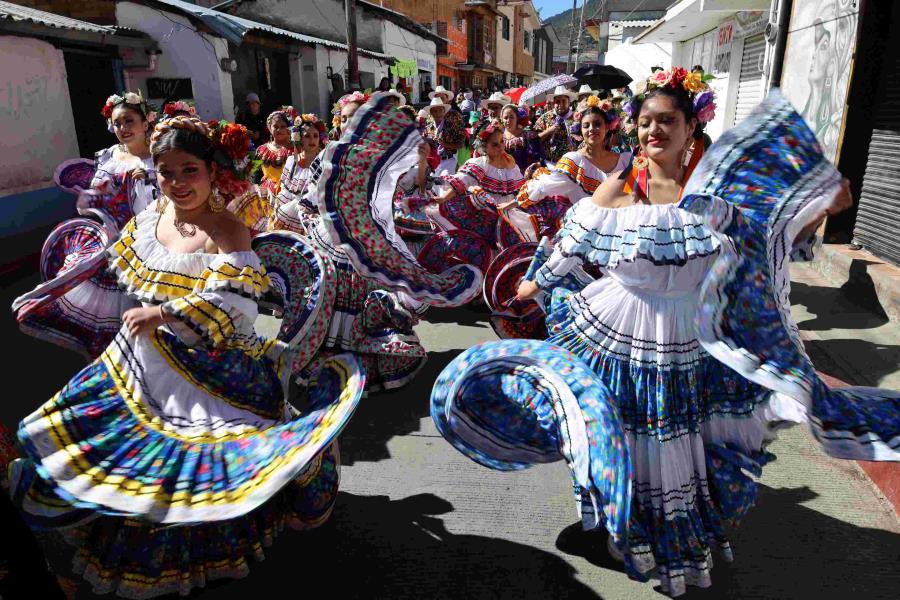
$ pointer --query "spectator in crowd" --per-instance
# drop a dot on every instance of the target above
(384, 85)
(468, 104)
(253, 119)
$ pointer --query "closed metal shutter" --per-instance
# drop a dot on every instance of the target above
(751, 85)
(878, 220)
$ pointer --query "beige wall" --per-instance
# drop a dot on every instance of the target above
(506, 48)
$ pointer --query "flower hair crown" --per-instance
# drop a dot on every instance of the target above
(611, 111)
(284, 113)
(695, 83)
(488, 130)
(230, 144)
(130, 98)
(351, 98)
(307, 120)
(170, 108)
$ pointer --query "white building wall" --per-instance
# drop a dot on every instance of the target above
(35, 115)
(701, 50)
(637, 59)
(406, 45)
(318, 18)
(337, 60)
(185, 53)
(506, 48)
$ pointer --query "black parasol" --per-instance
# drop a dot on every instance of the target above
(602, 77)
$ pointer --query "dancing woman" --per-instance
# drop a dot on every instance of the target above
(274, 154)
(293, 208)
(480, 186)
(520, 140)
(110, 196)
(663, 371)
(579, 173)
(78, 305)
(176, 450)
(360, 316)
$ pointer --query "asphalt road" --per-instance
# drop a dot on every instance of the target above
(415, 519)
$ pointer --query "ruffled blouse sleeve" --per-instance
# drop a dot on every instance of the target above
(471, 173)
(221, 309)
(561, 181)
(286, 191)
(571, 245)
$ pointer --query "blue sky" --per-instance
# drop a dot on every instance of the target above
(549, 8)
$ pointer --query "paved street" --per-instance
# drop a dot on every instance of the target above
(415, 519)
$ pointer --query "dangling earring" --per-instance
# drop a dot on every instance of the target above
(216, 201)
(640, 161)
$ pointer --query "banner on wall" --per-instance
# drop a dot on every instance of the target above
(724, 41)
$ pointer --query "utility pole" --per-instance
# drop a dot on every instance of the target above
(580, 35)
(353, 61)
(571, 38)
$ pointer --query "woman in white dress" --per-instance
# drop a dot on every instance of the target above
(293, 211)
(686, 337)
(177, 449)
(578, 173)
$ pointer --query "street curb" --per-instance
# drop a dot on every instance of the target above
(884, 475)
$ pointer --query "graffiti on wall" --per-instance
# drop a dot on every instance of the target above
(818, 64)
(35, 113)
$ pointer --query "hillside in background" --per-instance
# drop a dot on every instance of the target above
(614, 9)
(562, 23)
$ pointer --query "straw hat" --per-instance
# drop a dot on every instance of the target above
(496, 98)
(397, 95)
(441, 91)
(586, 90)
(562, 90)
(435, 102)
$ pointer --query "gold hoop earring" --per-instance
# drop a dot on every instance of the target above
(216, 201)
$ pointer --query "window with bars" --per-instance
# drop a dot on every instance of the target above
(442, 28)
(527, 37)
(505, 28)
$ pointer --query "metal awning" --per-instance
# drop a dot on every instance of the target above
(23, 20)
(17, 14)
(687, 19)
(234, 28)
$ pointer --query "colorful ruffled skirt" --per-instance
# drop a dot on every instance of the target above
(174, 465)
(371, 323)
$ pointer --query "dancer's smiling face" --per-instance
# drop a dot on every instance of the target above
(311, 141)
(664, 130)
(184, 178)
(281, 132)
(129, 125)
(593, 128)
(510, 118)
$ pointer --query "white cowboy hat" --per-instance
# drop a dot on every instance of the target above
(561, 91)
(442, 91)
(586, 90)
(435, 102)
(397, 95)
(496, 98)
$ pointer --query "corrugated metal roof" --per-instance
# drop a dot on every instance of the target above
(234, 28)
(14, 12)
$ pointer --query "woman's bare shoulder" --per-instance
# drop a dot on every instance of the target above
(229, 234)
(611, 193)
